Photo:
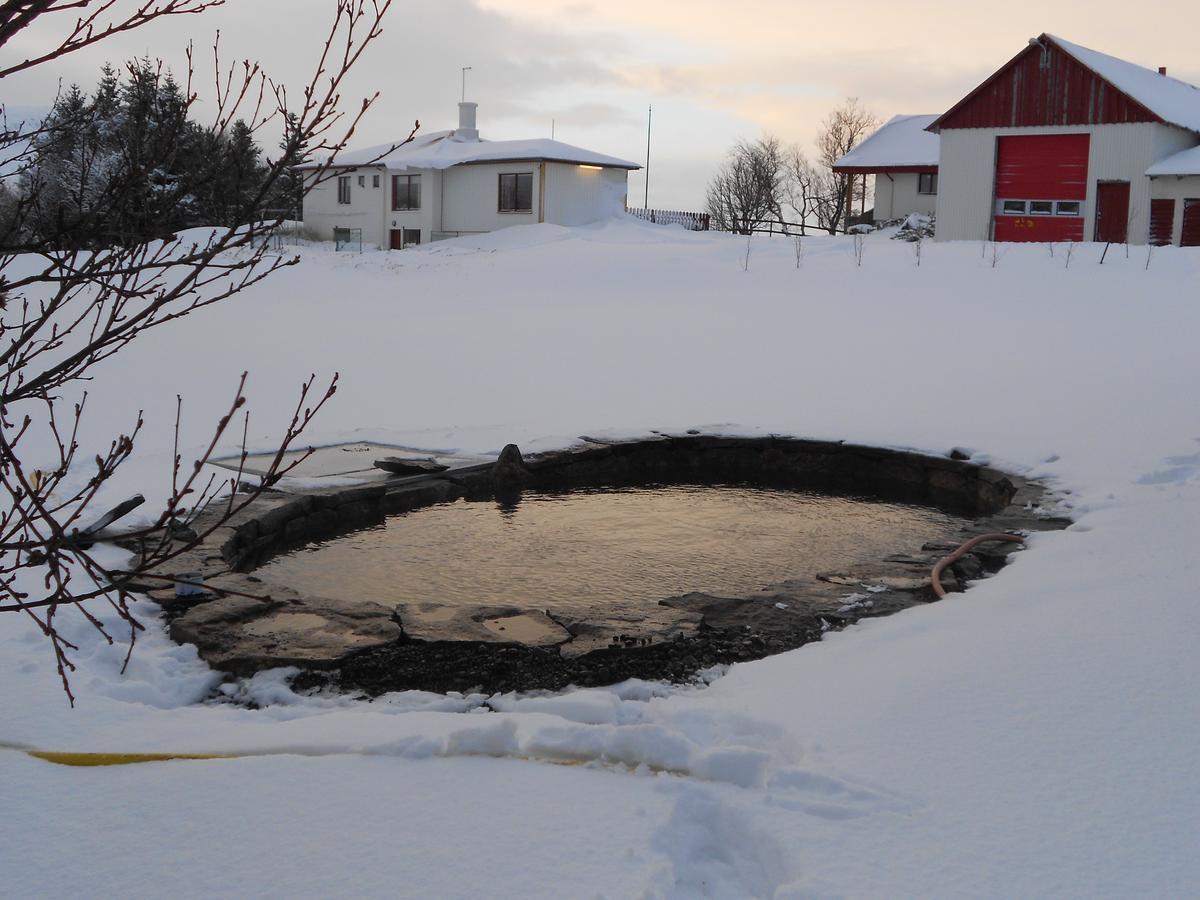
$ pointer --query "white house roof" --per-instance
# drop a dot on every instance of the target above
(1175, 102)
(902, 142)
(443, 149)
(1187, 162)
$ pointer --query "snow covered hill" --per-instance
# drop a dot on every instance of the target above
(1033, 737)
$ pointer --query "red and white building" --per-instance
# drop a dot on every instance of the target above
(1067, 144)
(903, 157)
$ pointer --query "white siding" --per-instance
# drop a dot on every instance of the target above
(471, 197)
(1117, 152)
(896, 196)
(323, 213)
(1177, 188)
(424, 219)
(576, 195)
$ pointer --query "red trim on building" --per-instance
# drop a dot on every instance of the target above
(885, 170)
(1043, 85)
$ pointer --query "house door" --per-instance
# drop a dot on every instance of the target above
(1112, 211)
(396, 239)
(1191, 224)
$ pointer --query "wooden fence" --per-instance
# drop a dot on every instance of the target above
(692, 221)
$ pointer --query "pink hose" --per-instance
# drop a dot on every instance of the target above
(969, 545)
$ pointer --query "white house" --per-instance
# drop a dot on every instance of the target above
(1067, 144)
(903, 157)
(451, 183)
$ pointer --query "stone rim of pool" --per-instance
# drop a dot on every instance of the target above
(364, 646)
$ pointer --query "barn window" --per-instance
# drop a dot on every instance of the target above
(927, 183)
(362, 181)
(406, 192)
(1013, 207)
(374, 181)
(344, 189)
(1068, 207)
(516, 192)
(1041, 207)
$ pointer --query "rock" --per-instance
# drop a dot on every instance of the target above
(509, 470)
(397, 465)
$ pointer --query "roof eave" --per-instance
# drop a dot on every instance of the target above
(924, 169)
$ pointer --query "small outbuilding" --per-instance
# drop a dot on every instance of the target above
(1064, 143)
(451, 183)
(903, 157)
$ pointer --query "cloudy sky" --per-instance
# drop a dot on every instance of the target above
(714, 70)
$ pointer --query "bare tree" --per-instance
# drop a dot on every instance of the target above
(841, 132)
(748, 189)
(805, 186)
(64, 310)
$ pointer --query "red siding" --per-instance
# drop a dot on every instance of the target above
(1044, 87)
(1042, 167)
(1191, 224)
(1162, 221)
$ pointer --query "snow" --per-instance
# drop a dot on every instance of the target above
(901, 141)
(443, 149)
(1035, 736)
(1186, 162)
(1175, 102)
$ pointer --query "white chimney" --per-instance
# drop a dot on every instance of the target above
(466, 130)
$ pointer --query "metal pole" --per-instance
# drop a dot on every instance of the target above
(649, 118)
(465, 70)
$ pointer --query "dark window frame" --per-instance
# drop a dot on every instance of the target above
(410, 182)
(343, 189)
(933, 183)
(516, 208)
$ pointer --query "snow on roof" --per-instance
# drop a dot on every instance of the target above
(1175, 102)
(1186, 162)
(443, 149)
(902, 141)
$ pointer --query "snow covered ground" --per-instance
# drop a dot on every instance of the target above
(1034, 737)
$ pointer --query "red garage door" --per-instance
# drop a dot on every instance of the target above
(1041, 183)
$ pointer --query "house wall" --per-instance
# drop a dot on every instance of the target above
(577, 196)
(896, 196)
(322, 212)
(967, 173)
(427, 218)
(1173, 187)
(471, 198)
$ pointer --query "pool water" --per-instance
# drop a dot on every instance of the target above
(622, 549)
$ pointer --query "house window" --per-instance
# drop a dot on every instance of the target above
(362, 181)
(1068, 207)
(374, 181)
(1012, 207)
(927, 183)
(406, 192)
(1041, 208)
(412, 237)
(516, 192)
(344, 189)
